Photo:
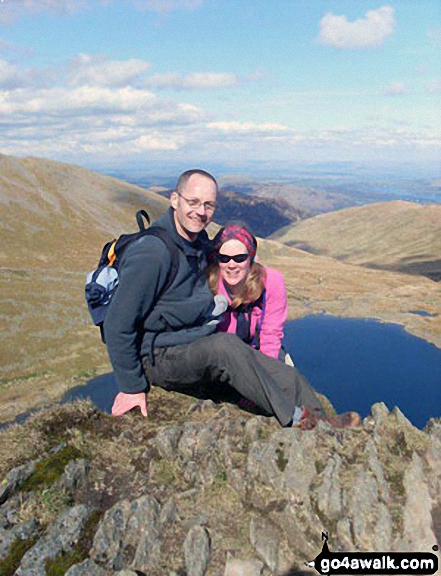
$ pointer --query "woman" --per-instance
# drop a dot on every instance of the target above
(257, 303)
(257, 308)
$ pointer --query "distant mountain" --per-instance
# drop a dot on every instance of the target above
(392, 235)
(307, 200)
(264, 215)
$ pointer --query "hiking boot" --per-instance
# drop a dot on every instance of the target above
(347, 420)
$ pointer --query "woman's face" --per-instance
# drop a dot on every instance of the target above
(234, 274)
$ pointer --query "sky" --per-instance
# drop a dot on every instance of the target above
(126, 83)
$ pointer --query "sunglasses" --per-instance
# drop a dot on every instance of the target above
(238, 258)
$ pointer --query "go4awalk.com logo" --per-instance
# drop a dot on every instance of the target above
(328, 562)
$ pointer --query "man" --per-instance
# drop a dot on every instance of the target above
(166, 339)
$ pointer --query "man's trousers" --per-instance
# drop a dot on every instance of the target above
(222, 359)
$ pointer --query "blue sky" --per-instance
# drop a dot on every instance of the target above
(127, 82)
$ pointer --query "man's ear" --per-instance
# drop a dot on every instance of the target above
(174, 198)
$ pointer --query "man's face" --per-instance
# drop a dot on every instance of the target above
(190, 219)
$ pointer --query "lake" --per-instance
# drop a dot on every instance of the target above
(357, 362)
(354, 362)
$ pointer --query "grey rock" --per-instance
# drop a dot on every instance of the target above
(265, 539)
(377, 469)
(197, 551)
(188, 441)
(206, 441)
(129, 535)
(363, 508)
(126, 573)
(87, 568)
(382, 534)
(75, 474)
(10, 512)
(417, 520)
(344, 535)
(191, 472)
(202, 406)
(300, 470)
(168, 514)
(18, 532)
(329, 499)
(433, 428)
(60, 537)
(15, 479)
(401, 418)
(253, 429)
(379, 412)
(166, 441)
(238, 567)
(197, 520)
(237, 480)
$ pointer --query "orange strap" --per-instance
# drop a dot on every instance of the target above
(111, 254)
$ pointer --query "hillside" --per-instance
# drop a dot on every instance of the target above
(55, 215)
(263, 214)
(54, 220)
(395, 235)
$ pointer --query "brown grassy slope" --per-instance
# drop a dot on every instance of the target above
(55, 215)
(395, 235)
(54, 220)
(319, 284)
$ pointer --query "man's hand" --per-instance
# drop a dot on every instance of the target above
(125, 402)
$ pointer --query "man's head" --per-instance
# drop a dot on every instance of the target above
(194, 201)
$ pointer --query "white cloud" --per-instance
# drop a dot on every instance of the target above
(265, 128)
(12, 10)
(396, 89)
(10, 76)
(194, 81)
(435, 34)
(165, 6)
(200, 80)
(10, 48)
(434, 87)
(85, 99)
(367, 32)
(99, 71)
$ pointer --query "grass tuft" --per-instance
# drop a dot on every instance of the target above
(49, 470)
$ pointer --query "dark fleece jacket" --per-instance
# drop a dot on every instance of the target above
(137, 322)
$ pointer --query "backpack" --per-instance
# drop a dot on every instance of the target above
(102, 282)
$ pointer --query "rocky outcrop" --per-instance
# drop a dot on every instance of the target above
(219, 492)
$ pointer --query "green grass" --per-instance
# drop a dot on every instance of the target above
(59, 565)
(18, 549)
(49, 470)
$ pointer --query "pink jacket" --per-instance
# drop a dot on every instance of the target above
(276, 311)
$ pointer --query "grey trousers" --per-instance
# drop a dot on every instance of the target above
(224, 359)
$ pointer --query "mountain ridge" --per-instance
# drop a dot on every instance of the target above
(396, 235)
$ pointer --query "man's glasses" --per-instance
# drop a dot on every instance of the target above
(238, 258)
(196, 203)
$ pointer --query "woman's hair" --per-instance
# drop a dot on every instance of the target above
(254, 284)
(252, 289)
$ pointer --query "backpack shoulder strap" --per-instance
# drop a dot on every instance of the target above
(163, 235)
(262, 304)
